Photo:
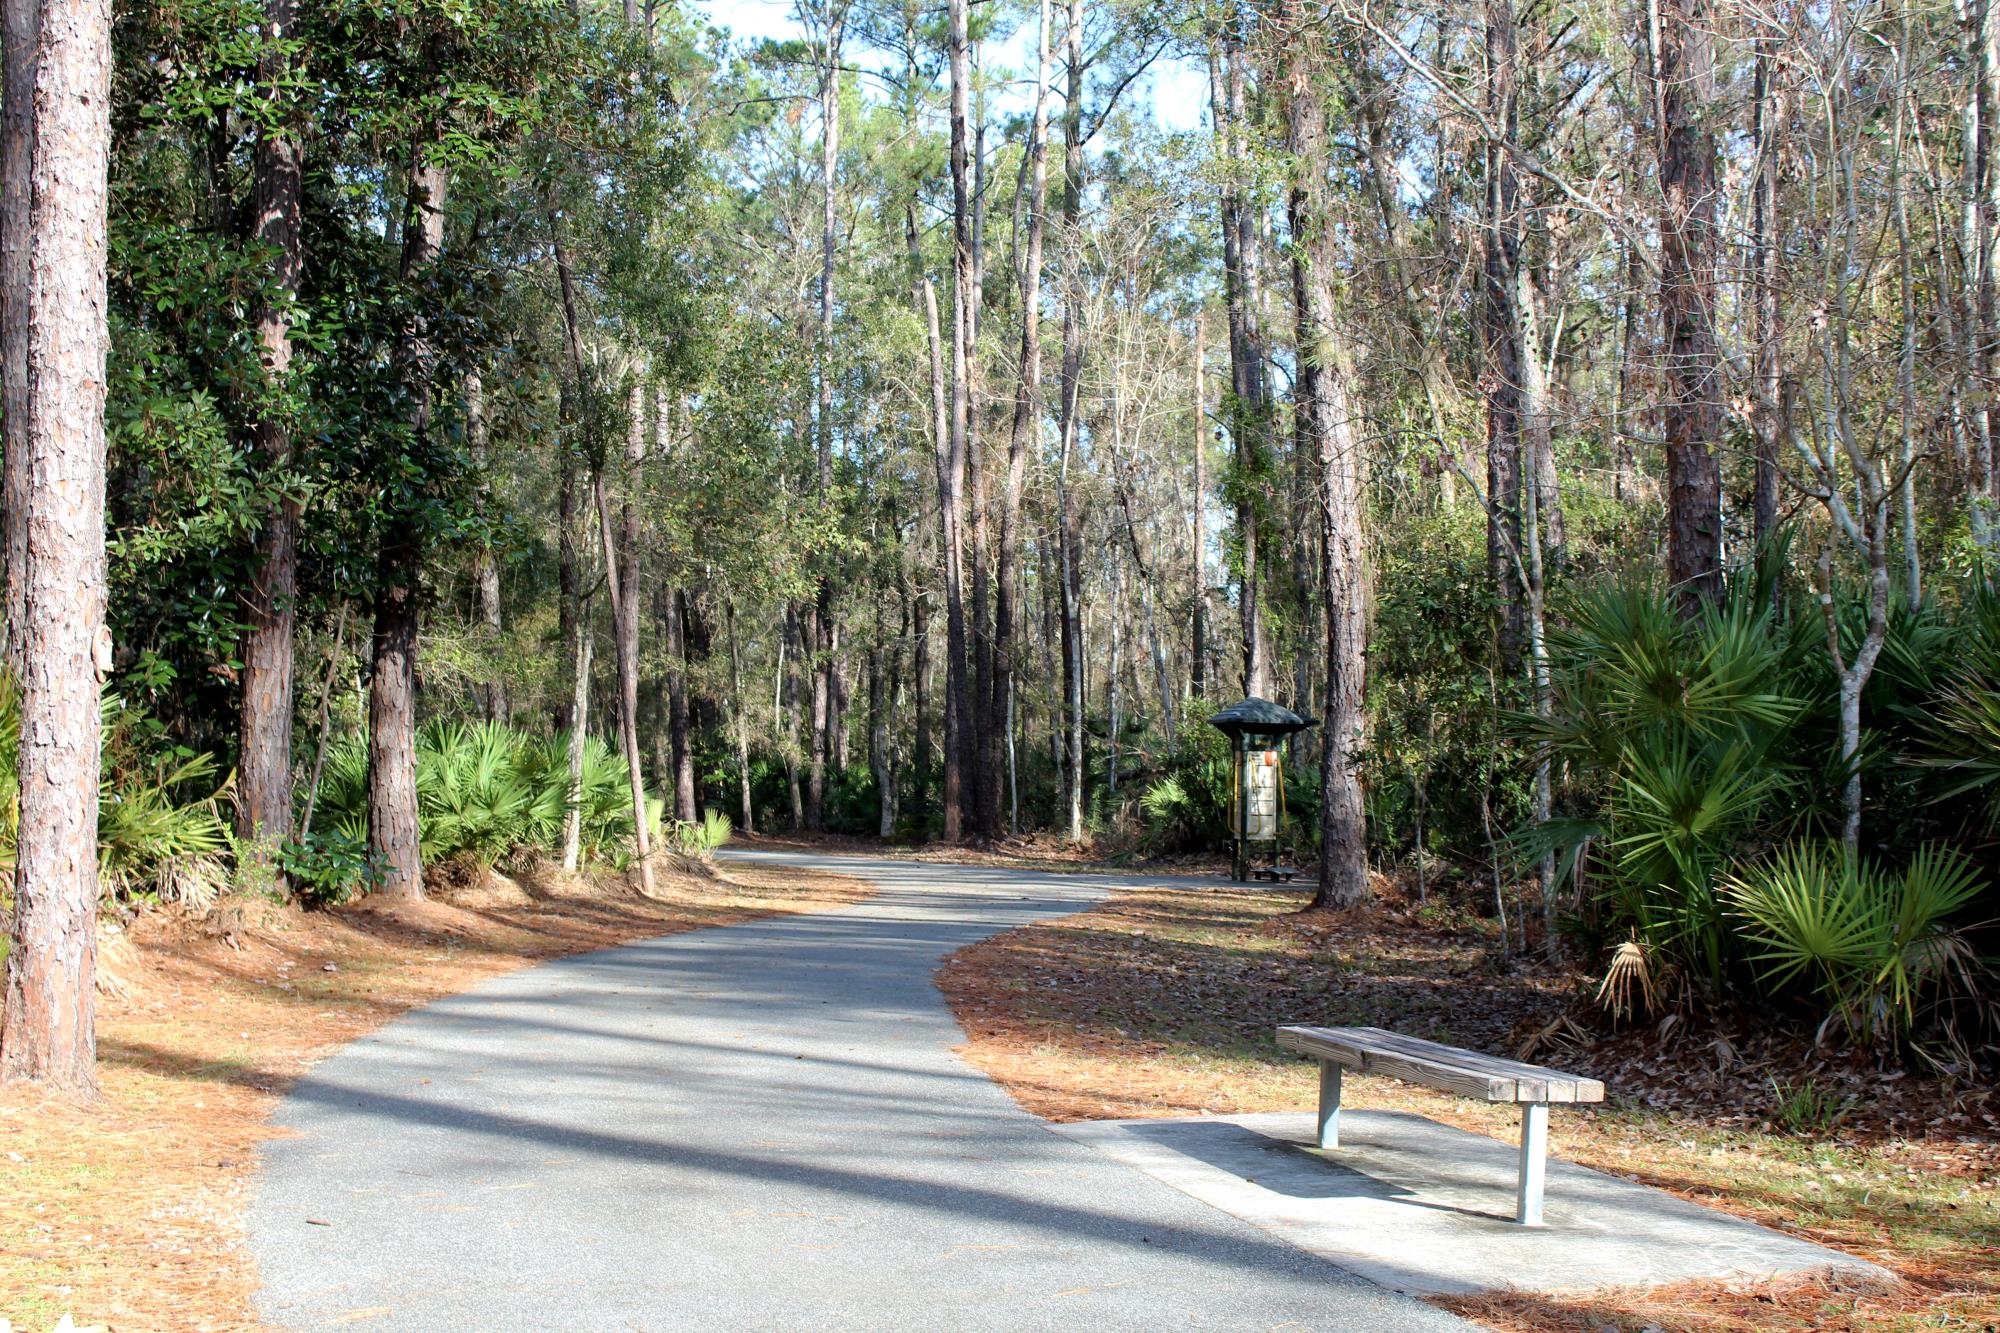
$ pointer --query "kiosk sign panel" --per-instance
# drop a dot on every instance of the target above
(1257, 815)
(1256, 727)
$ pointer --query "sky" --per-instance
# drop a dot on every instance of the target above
(1174, 90)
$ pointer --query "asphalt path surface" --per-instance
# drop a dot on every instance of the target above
(758, 1126)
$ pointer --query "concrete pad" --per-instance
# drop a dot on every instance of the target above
(1427, 1210)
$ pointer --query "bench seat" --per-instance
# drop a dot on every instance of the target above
(1488, 1078)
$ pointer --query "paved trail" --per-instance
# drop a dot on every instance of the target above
(754, 1127)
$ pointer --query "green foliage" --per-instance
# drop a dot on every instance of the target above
(699, 837)
(1806, 1107)
(160, 826)
(1668, 735)
(1435, 747)
(1698, 780)
(328, 868)
(487, 791)
(1871, 944)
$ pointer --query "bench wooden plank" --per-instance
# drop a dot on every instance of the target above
(1432, 1064)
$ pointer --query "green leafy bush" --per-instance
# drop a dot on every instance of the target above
(1668, 737)
(1698, 779)
(699, 837)
(329, 867)
(1870, 943)
(486, 790)
(161, 831)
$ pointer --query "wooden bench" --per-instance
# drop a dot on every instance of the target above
(1467, 1073)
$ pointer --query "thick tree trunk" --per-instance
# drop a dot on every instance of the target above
(678, 710)
(740, 707)
(264, 768)
(56, 337)
(1323, 403)
(392, 692)
(1692, 393)
(22, 21)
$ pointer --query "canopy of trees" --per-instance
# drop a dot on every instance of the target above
(1586, 409)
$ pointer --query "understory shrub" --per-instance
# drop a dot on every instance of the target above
(486, 790)
(1698, 784)
(161, 828)
(1868, 942)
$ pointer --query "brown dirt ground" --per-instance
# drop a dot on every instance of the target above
(1161, 1002)
(129, 1212)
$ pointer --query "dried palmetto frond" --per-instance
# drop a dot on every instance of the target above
(1629, 976)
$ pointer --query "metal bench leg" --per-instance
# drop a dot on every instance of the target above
(1534, 1162)
(1329, 1104)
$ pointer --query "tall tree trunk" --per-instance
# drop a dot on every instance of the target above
(1692, 393)
(1767, 125)
(1501, 352)
(1625, 424)
(392, 690)
(55, 337)
(961, 726)
(1198, 628)
(486, 566)
(988, 763)
(884, 684)
(920, 672)
(573, 618)
(679, 711)
(621, 576)
(1984, 335)
(819, 623)
(1323, 401)
(22, 20)
(264, 768)
(1906, 363)
(579, 714)
(1113, 697)
(740, 708)
(1250, 407)
(1025, 430)
(1070, 509)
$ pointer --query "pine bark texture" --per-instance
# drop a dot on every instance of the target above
(1324, 368)
(56, 337)
(264, 766)
(393, 834)
(1693, 389)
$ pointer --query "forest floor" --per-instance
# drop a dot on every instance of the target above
(129, 1212)
(1161, 1002)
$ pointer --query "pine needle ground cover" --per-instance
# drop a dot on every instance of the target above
(1161, 1003)
(129, 1212)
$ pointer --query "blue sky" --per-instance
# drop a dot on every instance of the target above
(1175, 91)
